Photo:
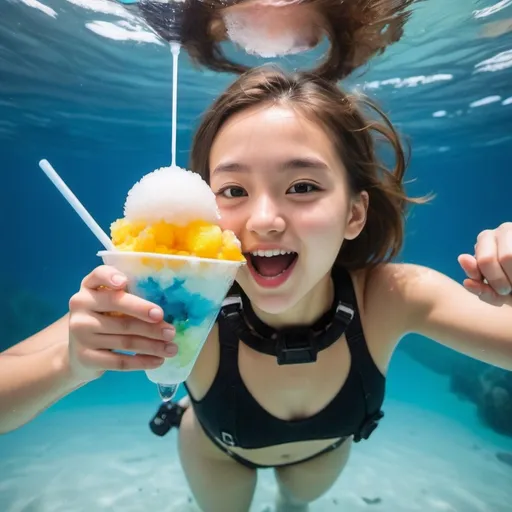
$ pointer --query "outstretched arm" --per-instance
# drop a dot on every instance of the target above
(474, 319)
(34, 374)
(81, 346)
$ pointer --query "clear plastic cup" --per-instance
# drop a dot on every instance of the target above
(190, 291)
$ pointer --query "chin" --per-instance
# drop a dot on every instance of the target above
(274, 304)
(274, 300)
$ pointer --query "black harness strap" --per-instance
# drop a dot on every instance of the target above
(291, 345)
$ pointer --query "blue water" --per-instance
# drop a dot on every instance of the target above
(75, 89)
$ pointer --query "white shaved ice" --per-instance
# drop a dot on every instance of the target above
(171, 194)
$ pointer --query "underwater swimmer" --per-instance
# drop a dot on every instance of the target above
(356, 30)
(319, 218)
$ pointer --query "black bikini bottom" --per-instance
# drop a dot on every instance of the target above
(252, 465)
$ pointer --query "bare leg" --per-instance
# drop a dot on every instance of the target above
(286, 503)
(218, 483)
(305, 482)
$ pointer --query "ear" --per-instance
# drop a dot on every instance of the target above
(357, 215)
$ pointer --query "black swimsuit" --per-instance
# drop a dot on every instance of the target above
(230, 416)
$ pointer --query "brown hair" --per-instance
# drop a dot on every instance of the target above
(357, 31)
(354, 136)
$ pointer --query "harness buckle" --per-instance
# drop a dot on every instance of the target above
(368, 426)
(296, 346)
(231, 307)
(227, 438)
(344, 312)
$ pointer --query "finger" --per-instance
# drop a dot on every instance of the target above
(105, 301)
(486, 253)
(133, 344)
(504, 242)
(125, 325)
(104, 275)
(492, 298)
(484, 292)
(106, 360)
(476, 287)
(470, 266)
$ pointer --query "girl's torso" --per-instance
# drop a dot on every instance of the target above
(299, 394)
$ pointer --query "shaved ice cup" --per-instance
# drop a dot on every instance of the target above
(190, 292)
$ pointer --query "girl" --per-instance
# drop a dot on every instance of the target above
(294, 371)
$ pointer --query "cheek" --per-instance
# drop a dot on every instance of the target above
(230, 220)
(321, 225)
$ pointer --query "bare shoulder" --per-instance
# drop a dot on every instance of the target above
(383, 285)
(207, 364)
(401, 290)
(382, 294)
(393, 283)
(55, 333)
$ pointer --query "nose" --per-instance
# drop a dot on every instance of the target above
(265, 217)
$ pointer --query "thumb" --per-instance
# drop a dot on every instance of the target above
(470, 266)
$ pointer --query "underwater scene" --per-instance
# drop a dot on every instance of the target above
(87, 85)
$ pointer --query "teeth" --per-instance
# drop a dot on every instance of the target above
(270, 253)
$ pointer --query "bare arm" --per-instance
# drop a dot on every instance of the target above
(34, 374)
(441, 309)
(81, 346)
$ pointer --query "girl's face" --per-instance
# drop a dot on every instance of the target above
(283, 190)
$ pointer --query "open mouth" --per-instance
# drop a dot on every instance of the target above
(271, 267)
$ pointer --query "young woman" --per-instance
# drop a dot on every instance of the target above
(294, 370)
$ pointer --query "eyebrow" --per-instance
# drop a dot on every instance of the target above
(294, 163)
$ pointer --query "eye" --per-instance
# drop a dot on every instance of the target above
(232, 192)
(303, 188)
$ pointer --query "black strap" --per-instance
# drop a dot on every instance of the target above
(291, 345)
(365, 368)
(228, 371)
(233, 327)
